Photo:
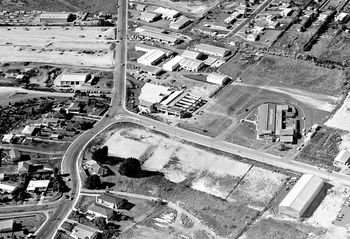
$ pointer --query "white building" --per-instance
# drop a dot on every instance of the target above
(286, 12)
(253, 37)
(301, 196)
(148, 48)
(54, 17)
(151, 57)
(217, 78)
(39, 185)
(111, 201)
(149, 28)
(160, 37)
(7, 138)
(167, 13)
(341, 17)
(191, 64)
(191, 54)
(30, 130)
(84, 232)
(173, 64)
(212, 50)
(180, 23)
(149, 16)
(74, 79)
(342, 158)
(6, 188)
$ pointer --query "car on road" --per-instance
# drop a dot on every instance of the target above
(122, 64)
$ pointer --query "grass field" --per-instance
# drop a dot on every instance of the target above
(338, 49)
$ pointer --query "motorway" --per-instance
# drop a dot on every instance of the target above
(118, 113)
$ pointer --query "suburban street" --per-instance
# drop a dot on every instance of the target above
(118, 113)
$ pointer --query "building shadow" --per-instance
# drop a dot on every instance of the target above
(317, 201)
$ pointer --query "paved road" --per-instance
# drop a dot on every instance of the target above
(27, 148)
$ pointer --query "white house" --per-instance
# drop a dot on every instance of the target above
(39, 185)
(111, 201)
(342, 159)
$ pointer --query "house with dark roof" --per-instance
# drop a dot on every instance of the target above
(110, 200)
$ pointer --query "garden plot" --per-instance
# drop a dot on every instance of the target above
(341, 118)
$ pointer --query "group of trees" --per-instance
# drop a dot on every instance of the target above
(131, 167)
(93, 182)
(100, 155)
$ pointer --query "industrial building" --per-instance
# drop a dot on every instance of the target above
(191, 54)
(173, 64)
(191, 64)
(212, 50)
(272, 122)
(147, 48)
(167, 13)
(54, 17)
(149, 16)
(342, 159)
(150, 95)
(151, 70)
(78, 79)
(301, 196)
(160, 37)
(218, 79)
(151, 58)
(180, 23)
(149, 28)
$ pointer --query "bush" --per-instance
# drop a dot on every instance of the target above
(131, 167)
(93, 182)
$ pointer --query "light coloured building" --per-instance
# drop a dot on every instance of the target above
(342, 159)
(301, 196)
(191, 54)
(217, 78)
(14, 155)
(96, 210)
(173, 64)
(160, 37)
(149, 28)
(180, 23)
(148, 48)
(252, 37)
(149, 16)
(6, 225)
(111, 201)
(6, 188)
(151, 58)
(30, 130)
(150, 95)
(81, 231)
(74, 79)
(212, 50)
(38, 185)
(341, 17)
(7, 138)
(54, 17)
(167, 13)
(191, 64)
(286, 12)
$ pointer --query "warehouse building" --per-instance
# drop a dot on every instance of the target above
(150, 95)
(147, 48)
(173, 64)
(149, 16)
(180, 23)
(342, 158)
(191, 64)
(191, 54)
(151, 70)
(212, 50)
(218, 79)
(149, 28)
(151, 58)
(167, 13)
(301, 196)
(160, 37)
(55, 17)
(74, 79)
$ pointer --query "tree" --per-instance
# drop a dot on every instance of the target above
(131, 167)
(100, 155)
(100, 222)
(56, 171)
(58, 184)
(93, 182)
(19, 193)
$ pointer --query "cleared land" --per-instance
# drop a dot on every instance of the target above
(341, 118)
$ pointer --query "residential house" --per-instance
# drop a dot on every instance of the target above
(84, 232)
(6, 225)
(38, 185)
(97, 210)
(14, 155)
(110, 200)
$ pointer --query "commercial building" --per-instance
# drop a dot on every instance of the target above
(160, 37)
(173, 64)
(212, 50)
(167, 13)
(149, 16)
(74, 79)
(111, 201)
(30, 130)
(54, 17)
(149, 28)
(217, 78)
(151, 70)
(38, 185)
(301, 196)
(180, 23)
(191, 54)
(342, 159)
(191, 64)
(141, 7)
(147, 48)
(151, 58)
(150, 95)
(6, 225)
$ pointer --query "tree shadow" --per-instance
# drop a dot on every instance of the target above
(127, 206)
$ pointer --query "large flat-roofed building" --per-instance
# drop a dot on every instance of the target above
(263, 119)
(150, 95)
(54, 17)
(38, 185)
(173, 64)
(6, 225)
(77, 79)
(191, 54)
(212, 50)
(301, 196)
(149, 28)
(180, 23)
(148, 48)
(160, 37)
(191, 64)
(150, 16)
(151, 57)
(167, 13)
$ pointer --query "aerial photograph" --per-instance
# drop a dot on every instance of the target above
(175, 119)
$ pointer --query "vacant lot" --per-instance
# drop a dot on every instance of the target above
(341, 118)
(322, 149)
(338, 49)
